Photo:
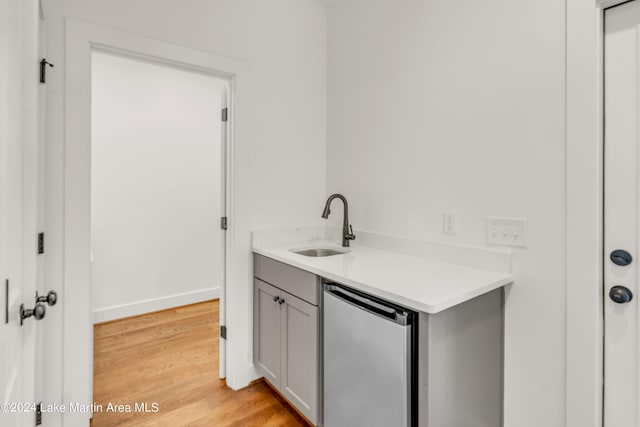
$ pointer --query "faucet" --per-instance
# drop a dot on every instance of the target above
(347, 230)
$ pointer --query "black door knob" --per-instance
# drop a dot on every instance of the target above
(620, 294)
(51, 298)
(39, 311)
(621, 257)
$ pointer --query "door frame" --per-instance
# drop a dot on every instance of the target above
(81, 39)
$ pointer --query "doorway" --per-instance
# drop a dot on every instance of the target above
(158, 187)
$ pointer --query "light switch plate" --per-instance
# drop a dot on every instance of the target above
(507, 231)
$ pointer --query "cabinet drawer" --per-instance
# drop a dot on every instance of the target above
(290, 279)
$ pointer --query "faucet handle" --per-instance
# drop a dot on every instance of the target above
(350, 236)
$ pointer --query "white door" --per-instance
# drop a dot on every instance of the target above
(18, 154)
(622, 215)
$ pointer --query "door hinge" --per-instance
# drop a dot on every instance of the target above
(225, 114)
(223, 332)
(43, 70)
(6, 301)
(39, 414)
(223, 222)
(40, 243)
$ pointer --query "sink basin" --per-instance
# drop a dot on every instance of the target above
(319, 252)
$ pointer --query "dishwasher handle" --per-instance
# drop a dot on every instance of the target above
(377, 307)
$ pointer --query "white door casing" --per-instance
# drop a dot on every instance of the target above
(18, 203)
(621, 212)
(224, 142)
(81, 39)
(48, 386)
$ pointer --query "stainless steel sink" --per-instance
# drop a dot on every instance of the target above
(319, 252)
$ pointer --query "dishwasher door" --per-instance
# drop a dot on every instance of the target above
(368, 362)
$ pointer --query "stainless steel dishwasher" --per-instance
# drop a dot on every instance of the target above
(370, 360)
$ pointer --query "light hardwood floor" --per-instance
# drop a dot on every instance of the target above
(171, 358)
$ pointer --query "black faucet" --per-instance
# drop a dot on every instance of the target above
(347, 230)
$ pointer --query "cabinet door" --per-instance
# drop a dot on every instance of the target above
(266, 333)
(299, 382)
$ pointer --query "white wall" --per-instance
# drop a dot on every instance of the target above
(433, 105)
(279, 175)
(155, 186)
(459, 106)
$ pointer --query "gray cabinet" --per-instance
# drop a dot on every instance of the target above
(286, 332)
(267, 330)
(461, 364)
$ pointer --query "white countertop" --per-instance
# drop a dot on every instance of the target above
(419, 283)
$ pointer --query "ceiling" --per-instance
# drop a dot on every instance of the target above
(327, 2)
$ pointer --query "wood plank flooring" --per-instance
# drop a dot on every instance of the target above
(171, 358)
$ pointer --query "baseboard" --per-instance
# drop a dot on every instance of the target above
(147, 306)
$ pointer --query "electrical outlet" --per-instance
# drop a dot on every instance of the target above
(507, 231)
(449, 223)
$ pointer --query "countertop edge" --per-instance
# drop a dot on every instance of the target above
(399, 299)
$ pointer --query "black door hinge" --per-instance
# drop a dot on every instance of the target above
(225, 114)
(39, 413)
(6, 301)
(223, 222)
(43, 68)
(40, 243)
(223, 332)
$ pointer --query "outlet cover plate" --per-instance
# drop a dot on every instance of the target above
(507, 231)
(449, 223)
